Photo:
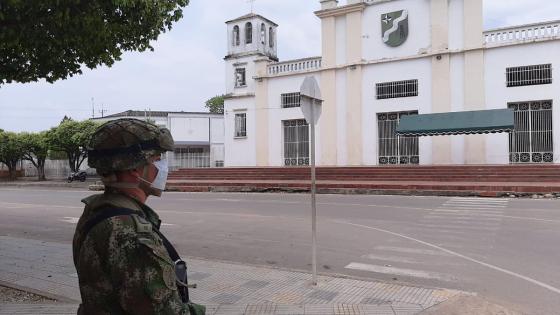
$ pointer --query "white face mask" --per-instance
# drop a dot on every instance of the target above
(161, 177)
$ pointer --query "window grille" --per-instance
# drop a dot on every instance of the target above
(531, 141)
(190, 158)
(397, 89)
(240, 125)
(240, 77)
(290, 100)
(529, 75)
(395, 149)
(296, 142)
(248, 33)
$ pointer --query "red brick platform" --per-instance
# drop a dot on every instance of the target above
(472, 180)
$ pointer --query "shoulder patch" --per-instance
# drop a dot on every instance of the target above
(142, 225)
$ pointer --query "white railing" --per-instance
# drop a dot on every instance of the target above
(292, 66)
(522, 33)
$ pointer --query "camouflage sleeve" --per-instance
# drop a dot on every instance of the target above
(142, 270)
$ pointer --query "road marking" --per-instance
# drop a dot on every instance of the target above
(530, 219)
(168, 224)
(473, 206)
(408, 250)
(23, 205)
(461, 217)
(494, 267)
(407, 260)
(71, 220)
(473, 211)
(436, 227)
(479, 199)
(398, 271)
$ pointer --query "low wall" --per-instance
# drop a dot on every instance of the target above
(6, 174)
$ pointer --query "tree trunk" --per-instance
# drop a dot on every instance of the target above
(41, 170)
(72, 162)
(12, 169)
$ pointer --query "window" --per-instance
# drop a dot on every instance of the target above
(397, 89)
(532, 141)
(529, 75)
(235, 40)
(263, 34)
(240, 77)
(395, 149)
(248, 33)
(291, 100)
(241, 125)
(296, 142)
(271, 37)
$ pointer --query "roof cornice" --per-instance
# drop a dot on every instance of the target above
(343, 10)
(250, 17)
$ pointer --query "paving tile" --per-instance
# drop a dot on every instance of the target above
(322, 295)
(226, 288)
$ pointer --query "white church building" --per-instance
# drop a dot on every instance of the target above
(387, 60)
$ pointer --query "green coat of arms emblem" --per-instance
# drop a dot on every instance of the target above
(394, 28)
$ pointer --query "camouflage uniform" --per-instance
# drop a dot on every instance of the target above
(122, 265)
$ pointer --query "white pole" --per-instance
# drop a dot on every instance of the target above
(313, 195)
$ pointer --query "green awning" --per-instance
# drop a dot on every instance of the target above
(457, 123)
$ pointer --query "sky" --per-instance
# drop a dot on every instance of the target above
(187, 66)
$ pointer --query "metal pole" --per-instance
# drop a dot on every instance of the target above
(313, 196)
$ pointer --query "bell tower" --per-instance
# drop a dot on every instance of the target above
(250, 38)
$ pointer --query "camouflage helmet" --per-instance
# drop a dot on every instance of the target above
(126, 144)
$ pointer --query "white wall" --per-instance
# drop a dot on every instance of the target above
(190, 128)
(456, 24)
(498, 95)
(457, 75)
(340, 40)
(240, 151)
(277, 114)
(249, 65)
(419, 29)
(217, 131)
(394, 71)
(341, 108)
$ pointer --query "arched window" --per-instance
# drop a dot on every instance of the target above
(263, 34)
(271, 37)
(235, 36)
(248, 33)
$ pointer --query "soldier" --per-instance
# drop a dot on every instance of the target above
(124, 263)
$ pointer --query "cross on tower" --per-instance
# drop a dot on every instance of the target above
(252, 2)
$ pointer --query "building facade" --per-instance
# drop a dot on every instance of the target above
(199, 137)
(385, 59)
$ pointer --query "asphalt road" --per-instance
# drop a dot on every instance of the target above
(505, 250)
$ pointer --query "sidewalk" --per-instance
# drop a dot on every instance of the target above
(46, 268)
(32, 182)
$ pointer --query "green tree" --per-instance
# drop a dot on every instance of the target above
(215, 105)
(35, 150)
(72, 137)
(53, 39)
(11, 151)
